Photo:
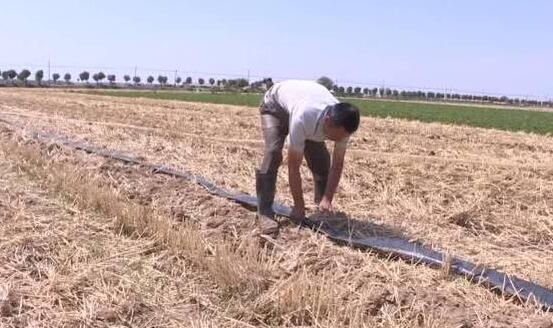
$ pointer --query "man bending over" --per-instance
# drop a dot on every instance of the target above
(310, 114)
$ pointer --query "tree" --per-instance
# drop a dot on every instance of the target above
(212, 81)
(178, 80)
(127, 78)
(24, 75)
(136, 80)
(242, 83)
(349, 90)
(98, 77)
(6, 75)
(201, 81)
(162, 80)
(67, 77)
(268, 82)
(150, 79)
(365, 91)
(39, 75)
(84, 76)
(10, 74)
(326, 81)
(188, 80)
(55, 77)
(341, 90)
(111, 78)
(237, 83)
(357, 90)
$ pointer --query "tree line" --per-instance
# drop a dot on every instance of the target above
(388, 93)
(10, 76)
(85, 76)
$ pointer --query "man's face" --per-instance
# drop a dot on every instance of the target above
(332, 132)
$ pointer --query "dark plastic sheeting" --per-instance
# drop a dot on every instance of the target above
(398, 247)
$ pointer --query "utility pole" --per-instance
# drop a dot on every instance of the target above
(48, 70)
(134, 71)
(175, 78)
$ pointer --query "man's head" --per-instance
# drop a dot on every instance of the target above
(340, 121)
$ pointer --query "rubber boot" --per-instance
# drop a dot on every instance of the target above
(265, 186)
(319, 188)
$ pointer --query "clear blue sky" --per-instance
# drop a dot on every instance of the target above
(493, 46)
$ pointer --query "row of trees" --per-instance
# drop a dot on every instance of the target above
(423, 95)
(431, 96)
(99, 77)
(163, 80)
(23, 76)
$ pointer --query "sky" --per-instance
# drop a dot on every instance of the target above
(495, 47)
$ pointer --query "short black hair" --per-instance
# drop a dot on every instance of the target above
(345, 115)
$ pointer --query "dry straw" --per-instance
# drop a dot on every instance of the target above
(93, 243)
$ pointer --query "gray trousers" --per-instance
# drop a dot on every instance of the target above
(274, 123)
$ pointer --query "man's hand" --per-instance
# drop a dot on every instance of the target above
(298, 213)
(325, 206)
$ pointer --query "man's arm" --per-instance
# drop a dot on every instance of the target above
(333, 178)
(295, 159)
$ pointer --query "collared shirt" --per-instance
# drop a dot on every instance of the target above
(306, 103)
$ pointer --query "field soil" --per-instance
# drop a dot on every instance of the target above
(87, 241)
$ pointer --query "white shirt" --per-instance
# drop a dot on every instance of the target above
(305, 102)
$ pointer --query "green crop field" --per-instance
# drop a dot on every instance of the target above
(485, 117)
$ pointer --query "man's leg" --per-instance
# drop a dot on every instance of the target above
(318, 161)
(274, 134)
